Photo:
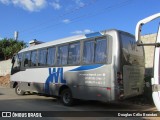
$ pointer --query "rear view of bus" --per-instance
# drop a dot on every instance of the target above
(132, 66)
(127, 66)
(104, 66)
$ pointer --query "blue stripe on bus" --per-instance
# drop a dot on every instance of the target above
(95, 34)
(87, 67)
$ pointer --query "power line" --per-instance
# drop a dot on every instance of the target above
(59, 16)
(102, 11)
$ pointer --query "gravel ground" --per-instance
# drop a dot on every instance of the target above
(5, 81)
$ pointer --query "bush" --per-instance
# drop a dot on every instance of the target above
(8, 47)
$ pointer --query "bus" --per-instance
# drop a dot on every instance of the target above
(104, 66)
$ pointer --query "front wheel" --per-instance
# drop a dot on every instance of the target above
(18, 91)
(66, 97)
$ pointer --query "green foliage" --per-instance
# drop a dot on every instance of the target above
(8, 47)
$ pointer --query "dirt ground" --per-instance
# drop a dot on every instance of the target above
(5, 80)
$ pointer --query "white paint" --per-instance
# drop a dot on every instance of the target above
(155, 79)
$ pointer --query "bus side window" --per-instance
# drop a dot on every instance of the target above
(74, 53)
(27, 59)
(100, 51)
(62, 55)
(42, 55)
(34, 58)
(51, 56)
(20, 59)
(88, 52)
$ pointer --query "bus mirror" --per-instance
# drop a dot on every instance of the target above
(13, 58)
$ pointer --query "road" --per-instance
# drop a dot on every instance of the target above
(9, 101)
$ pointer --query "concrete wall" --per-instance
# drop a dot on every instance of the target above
(5, 67)
(149, 53)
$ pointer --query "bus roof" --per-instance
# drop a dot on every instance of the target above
(65, 40)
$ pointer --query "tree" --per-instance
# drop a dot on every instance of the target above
(9, 46)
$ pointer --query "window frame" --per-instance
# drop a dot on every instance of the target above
(106, 51)
(38, 50)
(95, 39)
(20, 61)
(55, 56)
(65, 44)
(24, 54)
(79, 53)
(36, 58)
(108, 60)
(92, 39)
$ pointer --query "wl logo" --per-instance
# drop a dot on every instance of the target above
(55, 76)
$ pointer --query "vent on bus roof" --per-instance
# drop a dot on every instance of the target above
(34, 42)
(95, 34)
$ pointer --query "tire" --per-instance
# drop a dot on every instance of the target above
(66, 97)
(18, 91)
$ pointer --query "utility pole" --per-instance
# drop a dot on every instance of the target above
(16, 35)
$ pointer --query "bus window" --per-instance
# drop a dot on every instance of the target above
(27, 59)
(20, 59)
(74, 53)
(42, 55)
(100, 51)
(62, 55)
(33, 58)
(51, 56)
(15, 64)
(88, 52)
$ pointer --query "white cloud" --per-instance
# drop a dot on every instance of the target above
(56, 4)
(6, 2)
(66, 21)
(86, 31)
(1, 38)
(30, 5)
(37, 5)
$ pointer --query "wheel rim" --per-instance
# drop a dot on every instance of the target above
(66, 97)
(19, 90)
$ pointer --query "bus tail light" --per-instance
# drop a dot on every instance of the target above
(120, 84)
(119, 78)
(108, 88)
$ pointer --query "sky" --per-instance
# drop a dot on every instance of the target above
(48, 20)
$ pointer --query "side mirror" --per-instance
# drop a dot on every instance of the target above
(13, 59)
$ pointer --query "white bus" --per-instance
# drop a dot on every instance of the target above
(104, 66)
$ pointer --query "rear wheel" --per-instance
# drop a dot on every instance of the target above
(18, 91)
(66, 97)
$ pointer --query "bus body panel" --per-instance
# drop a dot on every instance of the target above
(85, 84)
(115, 50)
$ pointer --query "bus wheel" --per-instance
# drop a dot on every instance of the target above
(18, 91)
(66, 97)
